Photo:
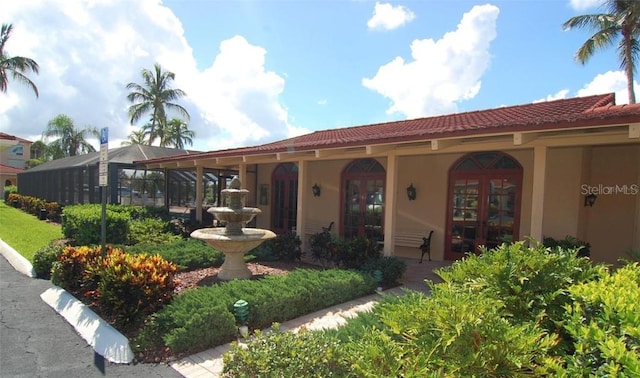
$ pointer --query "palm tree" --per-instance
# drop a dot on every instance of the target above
(155, 96)
(16, 66)
(178, 134)
(136, 137)
(69, 141)
(622, 19)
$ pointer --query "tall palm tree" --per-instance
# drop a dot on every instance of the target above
(136, 137)
(155, 96)
(68, 141)
(178, 134)
(621, 20)
(16, 66)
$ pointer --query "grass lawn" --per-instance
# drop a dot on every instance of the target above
(24, 232)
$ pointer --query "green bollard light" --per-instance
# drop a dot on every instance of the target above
(241, 309)
(377, 275)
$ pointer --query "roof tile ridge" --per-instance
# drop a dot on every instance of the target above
(606, 102)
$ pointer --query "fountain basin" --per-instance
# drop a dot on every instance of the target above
(234, 246)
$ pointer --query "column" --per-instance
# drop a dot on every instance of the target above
(390, 203)
(537, 194)
(199, 196)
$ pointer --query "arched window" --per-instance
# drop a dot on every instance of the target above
(363, 199)
(483, 202)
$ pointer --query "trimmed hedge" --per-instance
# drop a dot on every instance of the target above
(125, 224)
(271, 299)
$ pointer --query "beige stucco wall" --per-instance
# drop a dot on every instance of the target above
(429, 175)
(562, 200)
(612, 223)
(326, 208)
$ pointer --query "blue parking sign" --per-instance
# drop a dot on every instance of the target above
(104, 135)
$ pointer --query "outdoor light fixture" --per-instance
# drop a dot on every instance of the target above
(411, 192)
(316, 190)
(590, 199)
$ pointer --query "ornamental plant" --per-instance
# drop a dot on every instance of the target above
(130, 287)
(124, 287)
(70, 271)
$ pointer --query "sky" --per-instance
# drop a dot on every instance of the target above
(260, 71)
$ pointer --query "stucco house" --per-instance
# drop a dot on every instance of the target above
(14, 153)
(474, 178)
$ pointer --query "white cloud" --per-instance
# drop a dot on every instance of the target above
(89, 50)
(582, 5)
(387, 17)
(561, 94)
(610, 81)
(442, 72)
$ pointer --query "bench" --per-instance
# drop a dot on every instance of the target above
(415, 239)
(315, 227)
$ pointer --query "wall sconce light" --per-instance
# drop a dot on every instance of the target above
(590, 199)
(316, 190)
(411, 192)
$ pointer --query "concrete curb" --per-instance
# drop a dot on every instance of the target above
(16, 260)
(104, 339)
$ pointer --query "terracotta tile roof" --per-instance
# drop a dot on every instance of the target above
(559, 114)
(8, 169)
(6, 136)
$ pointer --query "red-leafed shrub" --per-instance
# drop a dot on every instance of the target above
(129, 287)
(125, 288)
(71, 270)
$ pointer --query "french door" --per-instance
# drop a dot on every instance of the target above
(363, 199)
(285, 198)
(483, 207)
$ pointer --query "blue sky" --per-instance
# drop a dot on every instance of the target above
(259, 71)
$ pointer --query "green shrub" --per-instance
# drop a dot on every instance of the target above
(392, 269)
(569, 243)
(9, 189)
(355, 252)
(150, 230)
(284, 354)
(82, 224)
(323, 248)
(263, 252)
(287, 246)
(44, 258)
(187, 254)
(450, 334)
(531, 281)
(604, 323)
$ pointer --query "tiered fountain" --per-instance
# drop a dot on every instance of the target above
(234, 240)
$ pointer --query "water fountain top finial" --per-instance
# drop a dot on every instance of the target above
(235, 183)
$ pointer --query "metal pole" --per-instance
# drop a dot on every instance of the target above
(103, 223)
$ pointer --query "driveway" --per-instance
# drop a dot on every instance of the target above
(36, 342)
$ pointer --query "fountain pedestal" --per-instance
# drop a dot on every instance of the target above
(233, 240)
